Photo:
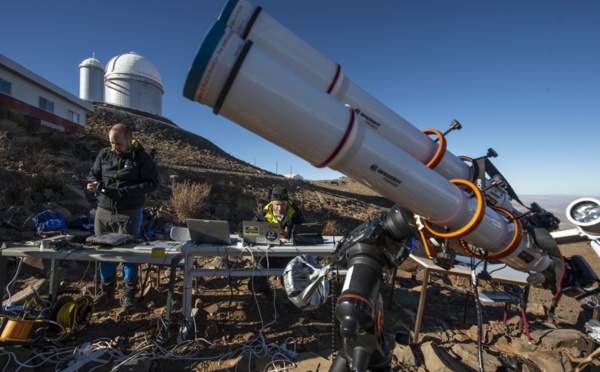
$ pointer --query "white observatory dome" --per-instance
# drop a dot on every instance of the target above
(132, 81)
(92, 62)
(91, 80)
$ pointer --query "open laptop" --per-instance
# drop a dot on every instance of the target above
(209, 231)
(307, 233)
(255, 232)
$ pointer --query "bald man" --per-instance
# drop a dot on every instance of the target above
(121, 176)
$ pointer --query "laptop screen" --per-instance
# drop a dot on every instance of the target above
(209, 231)
(308, 228)
(307, 234)
(255, 232)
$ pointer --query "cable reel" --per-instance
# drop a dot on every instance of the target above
(72, 315)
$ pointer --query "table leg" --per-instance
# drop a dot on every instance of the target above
(421, 307)
(187, 287)
(53, 290)
(3, 274)
(170, 293)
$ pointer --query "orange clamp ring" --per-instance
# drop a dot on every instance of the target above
(465, 158)
(475, 220)
(431, 252)
(441, 149)
(510, 248)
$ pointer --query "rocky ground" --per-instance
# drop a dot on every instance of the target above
(234, 330)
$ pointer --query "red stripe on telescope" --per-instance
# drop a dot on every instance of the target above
(337, 76)
(341, 144)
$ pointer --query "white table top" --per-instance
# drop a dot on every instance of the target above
(123, 253)
(239, 248)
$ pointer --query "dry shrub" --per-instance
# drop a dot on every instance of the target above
(187, 200)
(331, 228)
(4, 147)
(30, 144)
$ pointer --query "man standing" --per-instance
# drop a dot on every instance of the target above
(122, 175)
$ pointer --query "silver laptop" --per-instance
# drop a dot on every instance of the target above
(209, 231)
(255, 232)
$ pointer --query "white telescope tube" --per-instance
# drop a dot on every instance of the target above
(252, 88)
(253, 23)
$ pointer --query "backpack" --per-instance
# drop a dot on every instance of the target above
(49, 220)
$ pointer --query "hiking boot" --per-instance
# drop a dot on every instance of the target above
(128, 300)
(106, 294)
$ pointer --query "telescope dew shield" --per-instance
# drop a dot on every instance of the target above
(261, 94)
(253, 23)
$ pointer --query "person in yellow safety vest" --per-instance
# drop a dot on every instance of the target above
(283, 212)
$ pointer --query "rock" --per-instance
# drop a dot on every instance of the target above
(561, 338)
(308, 362)
(152, 295)
(211, 309)
(547, 360)
(437, 360)
(486, 334)
(404, 274)
(515, 346)
(404, 355)
(27, 293)
(536, 309)
(468, 354)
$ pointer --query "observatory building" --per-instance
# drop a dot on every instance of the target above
(129, 80)
(91, 80)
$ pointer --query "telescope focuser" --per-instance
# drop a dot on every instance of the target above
(491, 153)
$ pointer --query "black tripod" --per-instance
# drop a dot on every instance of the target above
(368, 250)
(361, 325)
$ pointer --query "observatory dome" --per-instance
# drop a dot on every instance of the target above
(132, 81)
(132, 64)
(92, 62)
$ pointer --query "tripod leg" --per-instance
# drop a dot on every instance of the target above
(340, 363)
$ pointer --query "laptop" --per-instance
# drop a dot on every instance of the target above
(307, 233)
(256, 232)
(209, 231)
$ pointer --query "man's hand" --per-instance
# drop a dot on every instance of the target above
(92, 186)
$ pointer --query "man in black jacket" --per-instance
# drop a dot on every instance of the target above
(121, 176)
(282, 211)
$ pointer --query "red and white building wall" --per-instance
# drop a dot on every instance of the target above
(26, 92)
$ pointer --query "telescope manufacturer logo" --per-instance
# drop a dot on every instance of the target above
(386, 176)
(367, 119)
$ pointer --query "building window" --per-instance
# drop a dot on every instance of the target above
(5, 87)
(74, 117)
(46, 105)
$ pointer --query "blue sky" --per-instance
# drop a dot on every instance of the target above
(523, 77)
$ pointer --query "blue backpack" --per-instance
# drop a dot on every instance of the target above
(48, 220)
